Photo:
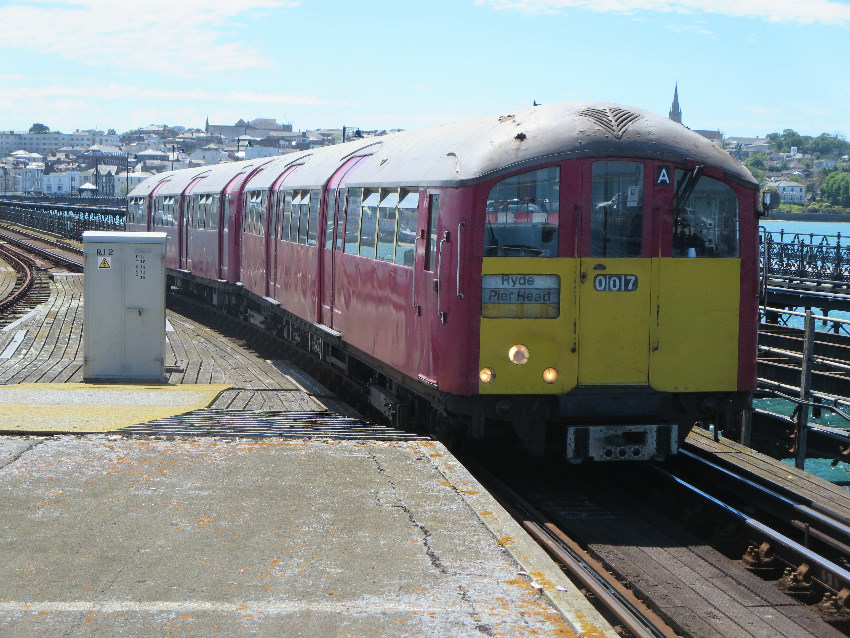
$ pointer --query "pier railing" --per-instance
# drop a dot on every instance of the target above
(65, 219)
(809, 258)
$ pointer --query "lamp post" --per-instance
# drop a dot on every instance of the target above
(356, 133)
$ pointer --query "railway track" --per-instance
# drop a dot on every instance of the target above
(28, 253)
(60, 253)
(802, 542)
(695, 550)
(627, 613)
(24, 268)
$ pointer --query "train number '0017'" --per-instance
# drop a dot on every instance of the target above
(615, 283)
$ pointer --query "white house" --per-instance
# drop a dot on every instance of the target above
(791, 192)
(60, 183)
(32, 177)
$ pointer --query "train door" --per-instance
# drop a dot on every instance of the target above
(188, 213)
(615, 278)
(223, 235)
(697, 305)
(274, 210)
(332, 242)
(182, 214)
(425, 291)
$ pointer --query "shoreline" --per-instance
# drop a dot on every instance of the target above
(808, 217)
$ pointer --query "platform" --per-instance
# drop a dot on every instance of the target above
(820, 493)
(166, 528)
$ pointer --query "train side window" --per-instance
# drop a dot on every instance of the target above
(522, 215)
(352, 221)
(295, 207)
(405, 247)
(168, 217)
(285, 232)
(706, 220)
(246, 214)
(212, 211)
(304, 218)
(199, 203)
(431, 246)
(340, 217)
(330, 221)
(368, 223)
(313, 219)
(387, 217)
(616, 224)
(262, 209)
(199, 212)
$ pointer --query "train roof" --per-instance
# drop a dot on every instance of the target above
(475, 150)
(221, 175)
(176, 182)
(265, 178)
(145, 188)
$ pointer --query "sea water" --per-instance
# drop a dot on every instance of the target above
(815, 232)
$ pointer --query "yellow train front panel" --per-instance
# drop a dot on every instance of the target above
(695, 341)
(529, 302)
(669, 324)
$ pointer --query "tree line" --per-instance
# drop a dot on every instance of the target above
(821, 146)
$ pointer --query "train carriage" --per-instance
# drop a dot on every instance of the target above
(584, 273)
(166, 210)
(139, 202)
(213, 220)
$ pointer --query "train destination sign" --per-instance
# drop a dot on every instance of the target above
(521, 296)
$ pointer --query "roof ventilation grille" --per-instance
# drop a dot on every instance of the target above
(613, 120)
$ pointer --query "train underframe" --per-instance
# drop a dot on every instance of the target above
(601, 423)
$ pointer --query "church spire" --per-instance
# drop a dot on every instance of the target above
(675, 111)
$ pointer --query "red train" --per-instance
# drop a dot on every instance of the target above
(583, 273)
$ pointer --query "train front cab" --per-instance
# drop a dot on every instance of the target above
(618, 302)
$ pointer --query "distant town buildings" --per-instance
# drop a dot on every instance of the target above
(108, 164)
(105, 164)
(796, 176)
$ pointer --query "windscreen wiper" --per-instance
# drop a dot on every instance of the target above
(686, 187)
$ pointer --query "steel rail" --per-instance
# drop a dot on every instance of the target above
(66, 262)
(46, 240)
(837, 525)
(836, 571)
(610, 593)
(25, 271)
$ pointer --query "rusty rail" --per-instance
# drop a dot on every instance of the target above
(23, 265)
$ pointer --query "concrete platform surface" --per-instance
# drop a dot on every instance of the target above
(87, 407)
(104, 535)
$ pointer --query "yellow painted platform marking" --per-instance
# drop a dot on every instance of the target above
(85, 408)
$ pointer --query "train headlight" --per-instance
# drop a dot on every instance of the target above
(486, 375)
(518, 354)
(550, 375)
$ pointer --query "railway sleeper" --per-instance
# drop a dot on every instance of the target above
(833, 608)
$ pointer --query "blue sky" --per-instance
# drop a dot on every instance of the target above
(744, 67)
